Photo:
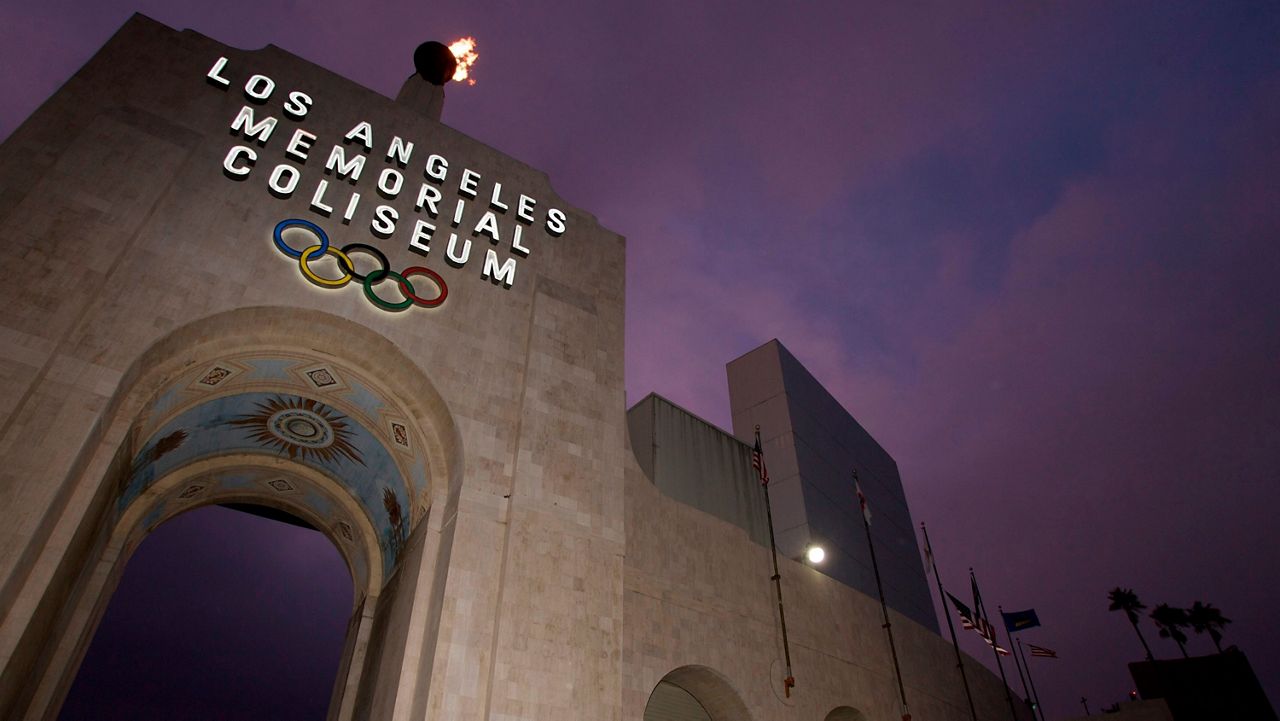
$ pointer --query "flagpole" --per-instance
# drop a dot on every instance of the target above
(1039, 707)
(981, 611)
(950, 624)
(884, 607)
(1026, 694)
(790, 680)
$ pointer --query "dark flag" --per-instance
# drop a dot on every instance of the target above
(988, 634)
(757, 461)
(1041, 651)
(966, 616)
(951, 626)
(928, 555)
(862, 501)
(1020, 620)
(981, 624)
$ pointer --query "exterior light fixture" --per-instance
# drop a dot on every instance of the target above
(814, 554)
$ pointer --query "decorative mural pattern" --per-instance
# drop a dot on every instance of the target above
(216, 375)
(288, 405)
(300, 427)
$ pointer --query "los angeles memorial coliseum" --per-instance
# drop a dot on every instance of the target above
(234, 277)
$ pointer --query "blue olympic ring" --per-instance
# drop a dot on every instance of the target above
(278, 236)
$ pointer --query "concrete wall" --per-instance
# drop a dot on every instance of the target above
(698, 464)
(698, 601)
(812, 445)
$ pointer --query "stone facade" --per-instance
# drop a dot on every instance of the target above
(470, 460)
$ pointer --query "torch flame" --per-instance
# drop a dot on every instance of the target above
(465, 52)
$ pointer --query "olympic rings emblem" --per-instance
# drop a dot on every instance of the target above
(348, 268)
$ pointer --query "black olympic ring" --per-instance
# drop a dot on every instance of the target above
(366, 248)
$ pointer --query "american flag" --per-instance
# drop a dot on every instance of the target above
(757, 460)
(966, 616)
(1041, 651)
(988, 634)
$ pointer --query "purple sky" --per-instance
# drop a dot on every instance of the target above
(218, 631)
(1029, 246)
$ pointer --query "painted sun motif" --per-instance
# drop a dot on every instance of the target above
(302, 428)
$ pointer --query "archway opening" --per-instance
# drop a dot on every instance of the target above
(695, 693)
(669, 702)
(220, 614)
(845, 713)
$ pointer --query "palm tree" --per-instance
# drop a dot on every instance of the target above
(1171, 621)
(1124, 599)
(1204, 617)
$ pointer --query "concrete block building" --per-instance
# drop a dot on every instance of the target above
(237, 278)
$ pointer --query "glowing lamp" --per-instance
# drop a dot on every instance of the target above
(815, 554)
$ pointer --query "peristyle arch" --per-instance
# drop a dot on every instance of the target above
(320, 417)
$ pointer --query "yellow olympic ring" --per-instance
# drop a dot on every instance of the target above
(325, 282)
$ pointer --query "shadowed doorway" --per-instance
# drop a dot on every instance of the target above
(220, 614)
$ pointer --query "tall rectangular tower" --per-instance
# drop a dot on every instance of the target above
(812, 445)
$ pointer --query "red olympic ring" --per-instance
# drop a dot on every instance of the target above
(434, 276)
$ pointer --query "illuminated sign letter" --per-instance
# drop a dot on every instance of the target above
(244, 123)
(505, 275)
(284, 180)
(390, 182)
(555, 222)
(494, 201)
(343, 168)
(297, 105)
(515, 242)
(451, 253)
(238, 172)
(488, 225)
(428, 196)
(437, 168)
(421, 239)
(362, 132)
(299, 145)
(400, 151)
(524, 210)
(259, 88)
(470, 182)
(384, 221)
(215, 74)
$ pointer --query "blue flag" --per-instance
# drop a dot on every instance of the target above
(1020, 620)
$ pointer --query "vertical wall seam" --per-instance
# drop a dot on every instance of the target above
(511, 491)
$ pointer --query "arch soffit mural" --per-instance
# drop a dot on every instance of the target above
(289, 405)
(381, 363)
(389, 396)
